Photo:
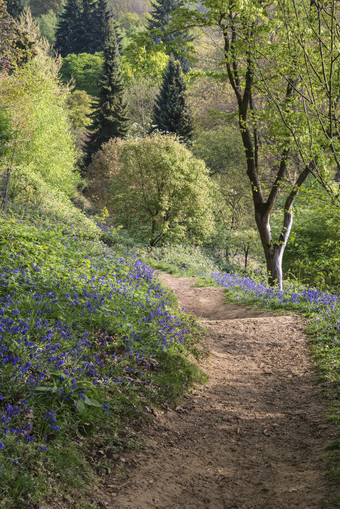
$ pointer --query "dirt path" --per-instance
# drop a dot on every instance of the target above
(251, 438)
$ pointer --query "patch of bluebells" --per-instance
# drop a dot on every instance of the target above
(325, 306)
(46, 349)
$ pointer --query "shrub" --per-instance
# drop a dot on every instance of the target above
(157, 189)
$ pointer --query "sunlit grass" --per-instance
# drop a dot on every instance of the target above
(89, 343)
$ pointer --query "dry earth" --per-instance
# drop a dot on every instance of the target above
(252, 437)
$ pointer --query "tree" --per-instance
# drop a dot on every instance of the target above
(121, 7)
(42, 151)
(109, 119)
(82, 27)
(171, 113)
(160, 18)
(272, 115)
(5, 132)
(8, 36)
(79, 108)
(155, 188)
(48, 24)
(39, 7)
(85, 69)
(67, 32)
(87, 40)
(314, 41)
(101, 18)
(14, 8)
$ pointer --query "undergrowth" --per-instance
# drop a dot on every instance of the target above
(89, 343)
(182, 260)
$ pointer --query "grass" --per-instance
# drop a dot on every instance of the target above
(90, 343)
(181, 260)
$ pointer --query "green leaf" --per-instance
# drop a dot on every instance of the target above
(80, 405)
(92, 402)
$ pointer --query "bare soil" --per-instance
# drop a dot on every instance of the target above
(251, 437)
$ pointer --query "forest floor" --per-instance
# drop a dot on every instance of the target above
(251, 437)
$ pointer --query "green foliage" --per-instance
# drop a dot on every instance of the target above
(129, 22)
(5, 132)
(182, 259)
(82, 27)
(141, 95)
(85, 69)
(109, 118)
(67, 29)
(171, 112)
(161, 15)
(42, 149)
(10, 50)
(222, 150)
(47, 24)
(14, 7)
(79, 108)
(313, 254)
(121, 7)
(158, 190)
(137, 62)
(41, 7)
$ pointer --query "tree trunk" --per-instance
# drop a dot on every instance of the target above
(273, 250)
(274, 265)
(246, 252)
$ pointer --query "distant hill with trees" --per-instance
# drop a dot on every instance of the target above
(117, 7)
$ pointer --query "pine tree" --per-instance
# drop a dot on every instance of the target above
(93, 26)
(109, 120)
(161, 16)
(67, 33)
(171, 113)
(82, 27)
(14, 8)
(102, 18)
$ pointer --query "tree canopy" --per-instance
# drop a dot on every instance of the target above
(109, 119)
(82, 27)
(171, 112)
(156, 188)
(266, 79)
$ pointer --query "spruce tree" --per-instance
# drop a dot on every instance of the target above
(82, 27)
(102, 18)
(161, 16)
(67, 33)
(109, 119)
(171, 113)
(14, 8)
(93, 26)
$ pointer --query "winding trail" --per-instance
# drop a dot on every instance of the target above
(252, 436)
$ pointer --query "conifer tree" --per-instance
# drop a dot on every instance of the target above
(161, 16)
(93, 26)
(67, 33)
(14, 8)
(109, 119)
(171, 113)
(82, 27)
(102, 18)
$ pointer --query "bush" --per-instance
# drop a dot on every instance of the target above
(43, 150)
(155, 188)
(85, 69)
